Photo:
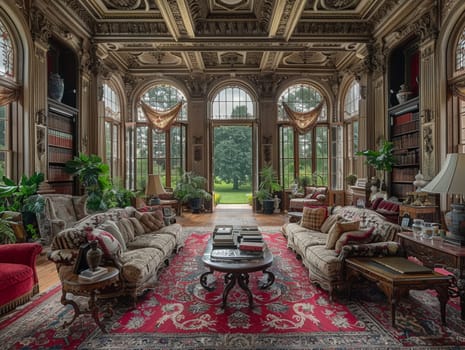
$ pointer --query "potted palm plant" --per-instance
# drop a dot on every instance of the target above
(381, 159)
(268, 186)
(191, 189)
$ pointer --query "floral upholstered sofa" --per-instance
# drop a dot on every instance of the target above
(138, 243)
(326, 236)
(314, 196)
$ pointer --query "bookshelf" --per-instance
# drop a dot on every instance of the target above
(405, 135)
(61, 145)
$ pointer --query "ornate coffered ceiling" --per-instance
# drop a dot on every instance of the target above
(209, 36)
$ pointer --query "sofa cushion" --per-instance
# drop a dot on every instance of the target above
(127, 229)
(371, 249)
(140, 264)
(326, 261)
(164, 242)
(149, 221)
(329, 222)
(138, 228)
(338, 229)
(313, 218)
(358, 236)
(107, 242)
(112, 227)
(303, 239)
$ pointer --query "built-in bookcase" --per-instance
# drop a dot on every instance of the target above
(61, 145)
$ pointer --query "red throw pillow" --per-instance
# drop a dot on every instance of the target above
(107, 242)
(356, 237)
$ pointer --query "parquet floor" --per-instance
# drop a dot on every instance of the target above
(222, 215)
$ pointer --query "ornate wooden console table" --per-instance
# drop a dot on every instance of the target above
(437, 253)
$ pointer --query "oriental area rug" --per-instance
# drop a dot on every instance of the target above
(292, 313)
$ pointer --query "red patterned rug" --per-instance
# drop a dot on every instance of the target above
(291, 314)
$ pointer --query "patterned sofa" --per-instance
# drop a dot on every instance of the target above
(325, 237)
(138, 243)
(314, 196)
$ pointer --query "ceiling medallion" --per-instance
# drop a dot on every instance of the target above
(232, 5)
(336, 4)
(123, 4)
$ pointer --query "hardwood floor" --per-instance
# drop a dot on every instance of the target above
(222, 215)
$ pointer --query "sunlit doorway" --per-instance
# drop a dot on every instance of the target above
(232, 164)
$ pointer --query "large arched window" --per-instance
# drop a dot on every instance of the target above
(303, 155)
(9, 87)
(459, 83)
(112, 116)
(233, 103)
(156, 151)
(351, 123)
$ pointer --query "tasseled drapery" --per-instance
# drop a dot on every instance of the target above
(303, 121)
(161, 120)
(8, 95)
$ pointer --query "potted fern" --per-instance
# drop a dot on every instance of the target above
(268, 186)
(191, 189)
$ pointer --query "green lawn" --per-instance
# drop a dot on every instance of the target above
(229, 196)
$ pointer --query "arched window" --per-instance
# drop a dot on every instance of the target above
(112, 116)
(351, 122)
(9, 87)
(303, 155)
(156, 151)
(459, 82)
(233, 103)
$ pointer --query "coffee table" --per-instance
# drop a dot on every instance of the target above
(104, 286)
(395, 284)
(237, 271)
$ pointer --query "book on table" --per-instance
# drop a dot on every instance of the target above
(252, 246)
(89, 275)
(234, 255)
(401, 265)
(223, 230)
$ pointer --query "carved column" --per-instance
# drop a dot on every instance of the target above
(428, 109)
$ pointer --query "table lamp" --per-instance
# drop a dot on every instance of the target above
(450, 180)
(153, 188)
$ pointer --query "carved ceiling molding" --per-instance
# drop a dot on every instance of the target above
(385, 10)
(267, 84)
(447, 6)
(126, 4)
(286, 14)
(135, 29)
(40, 26)
(338, 5)
(80, 11)
(307, 27)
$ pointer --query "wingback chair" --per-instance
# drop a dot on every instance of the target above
(18, 275)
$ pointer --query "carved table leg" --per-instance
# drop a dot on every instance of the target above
(94, 310)
(267, 281)
(244, 284)
(443, 296)
(205, 283)
(77, 310)
(230, 281)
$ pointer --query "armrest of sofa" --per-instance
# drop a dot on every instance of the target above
(63, 256)
(20, 253)
(389, 248)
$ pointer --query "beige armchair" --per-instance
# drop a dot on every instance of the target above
(61, 211)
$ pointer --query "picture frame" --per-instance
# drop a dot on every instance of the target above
(405, 221)
(81, 261)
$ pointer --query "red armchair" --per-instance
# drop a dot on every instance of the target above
(18, 275)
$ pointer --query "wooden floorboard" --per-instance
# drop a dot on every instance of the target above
(222, 215)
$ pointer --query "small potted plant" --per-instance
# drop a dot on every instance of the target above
(351, 179)
(268, 186)
(191, 189)
(382, 159)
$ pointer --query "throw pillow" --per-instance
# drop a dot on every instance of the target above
(138, 228)
(329, 222)
(313, 218)
(338, 229)
(149, 222)
(109, 244)
(112, 227)
(317, 194)
(127, 229)
(353, 237)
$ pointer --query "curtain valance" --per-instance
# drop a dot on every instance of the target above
(8, 95)
(303, 121)
(161, 120)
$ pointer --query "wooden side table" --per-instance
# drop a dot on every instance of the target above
(104, 286)
(428, 213)
(437, 253)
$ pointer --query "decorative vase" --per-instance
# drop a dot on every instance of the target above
(56, 87)
(403, 94)
(94, 255)
(455, 222)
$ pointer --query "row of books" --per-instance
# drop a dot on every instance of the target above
(60, 155)
(60, 139)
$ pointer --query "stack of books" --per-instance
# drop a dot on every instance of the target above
(223, 237)
(88, 275)
(251, 241)
(234, 255)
